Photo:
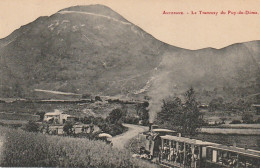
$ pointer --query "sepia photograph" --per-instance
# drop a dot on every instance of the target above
(130, 83)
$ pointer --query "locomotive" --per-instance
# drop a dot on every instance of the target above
(168, 148)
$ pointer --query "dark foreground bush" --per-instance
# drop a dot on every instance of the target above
(235, 122)
(25, 149)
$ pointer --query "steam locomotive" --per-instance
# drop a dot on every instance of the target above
(168, 148)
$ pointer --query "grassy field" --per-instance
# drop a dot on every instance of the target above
(238, 131)
(27, 110)
(25, 149)
(19, 116)
(253, 126)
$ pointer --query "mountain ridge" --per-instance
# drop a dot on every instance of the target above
(80, 49)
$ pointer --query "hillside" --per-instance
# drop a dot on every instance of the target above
(78, 51)
(92, 49)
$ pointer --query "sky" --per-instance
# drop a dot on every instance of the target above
(187, 31)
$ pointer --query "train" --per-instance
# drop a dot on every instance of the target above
(168, 148)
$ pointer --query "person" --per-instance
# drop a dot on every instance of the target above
(160, 153)
(181, 153)
(189, 155)
(165, 151)
(175, 154)
(171, 154)
(142, 150)
(195, 160)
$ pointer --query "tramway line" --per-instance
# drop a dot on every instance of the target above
(164, 147)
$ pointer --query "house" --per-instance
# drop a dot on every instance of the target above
(71, 118)
(58, 129)
(58, 117)
(257, 107)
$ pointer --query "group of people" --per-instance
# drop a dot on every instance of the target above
(171, 153)
(228, 160)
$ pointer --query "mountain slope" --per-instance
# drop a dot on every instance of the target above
(79, 51)
(92, 49)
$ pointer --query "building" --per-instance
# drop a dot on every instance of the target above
(257, 107)
(71, 118)
(58, 117)
(58, 129)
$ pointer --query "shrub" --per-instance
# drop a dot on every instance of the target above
(26, 149)
(68, 128)
(131, 120)
(235, 122)
(247, 118)
(41, 114)
(31, 126)
(115, 116)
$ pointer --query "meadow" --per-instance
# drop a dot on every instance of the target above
(24, 149)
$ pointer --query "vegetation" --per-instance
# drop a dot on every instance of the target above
(112, 124)
(116, 116)
(227, 104)
(247, 118)
(25, 149)
(235, 122)
(183, 117)
(68, 128)
(41, 114)
(216, 104)
(143, 113)
(31, 126)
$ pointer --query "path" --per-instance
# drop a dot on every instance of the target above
(94, 14)
(133, 130)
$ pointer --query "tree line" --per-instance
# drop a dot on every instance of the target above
(183, 117)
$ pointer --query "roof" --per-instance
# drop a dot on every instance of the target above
(256, 105)
(52, 113)
(186, 140)
(162, 130)
(243, 151)
(56, 112)
(70, 116)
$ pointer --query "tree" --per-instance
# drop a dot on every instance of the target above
(247, 118)
(87, 120)
(216, 104)
(143, 113)
(68, 128)
(98, 98)
(115, 116)
(183, 117)
(171, 113)
(31, 126)
(86, 96)
(191, 117)
(41, 114)
(98, 120)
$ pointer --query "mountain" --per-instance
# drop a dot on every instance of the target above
(92, 49)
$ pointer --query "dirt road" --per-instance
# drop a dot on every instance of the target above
(133, 130)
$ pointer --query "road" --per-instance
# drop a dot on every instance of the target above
(119, 141)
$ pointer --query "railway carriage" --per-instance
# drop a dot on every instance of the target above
(220, 156)
(164, 147)
(182, 152)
